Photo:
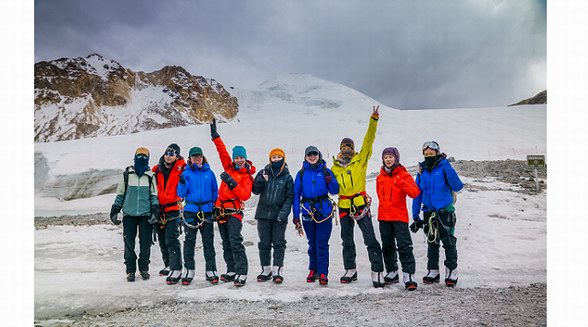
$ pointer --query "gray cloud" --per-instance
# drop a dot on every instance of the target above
(405, 54)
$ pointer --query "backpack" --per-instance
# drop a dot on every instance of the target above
(126, 179)
(325, 173)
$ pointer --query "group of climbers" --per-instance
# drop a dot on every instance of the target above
(175, 194)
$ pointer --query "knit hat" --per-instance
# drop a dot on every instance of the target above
(392, 151)
(195, 151)
(175, 147)
(239, 151)
(347, 142)
(277, 151)
(142, 150)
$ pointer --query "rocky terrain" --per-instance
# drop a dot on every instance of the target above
(539, 98)
(95, 96)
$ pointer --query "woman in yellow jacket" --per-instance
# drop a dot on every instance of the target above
(350, 170)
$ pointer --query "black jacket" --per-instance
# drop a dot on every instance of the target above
(275, 196)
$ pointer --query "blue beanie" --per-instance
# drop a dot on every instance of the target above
(239, 151)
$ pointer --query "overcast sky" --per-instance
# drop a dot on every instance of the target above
(405, 54)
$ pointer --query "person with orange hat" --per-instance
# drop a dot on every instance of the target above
(136, 196)
(275, 188)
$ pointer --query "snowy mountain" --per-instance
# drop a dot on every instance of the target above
(94, 96)
(539, 98)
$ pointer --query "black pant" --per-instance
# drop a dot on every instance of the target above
(369, 239)
(446, 222)
(130, 226)
(396, 233)
(207, 233)
(169, 241)
(233, 248)
(271, 232)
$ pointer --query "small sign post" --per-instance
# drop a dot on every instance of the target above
(536, 161)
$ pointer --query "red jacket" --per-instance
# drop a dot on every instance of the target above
(228, 198)
(392, 191)
(166, 193)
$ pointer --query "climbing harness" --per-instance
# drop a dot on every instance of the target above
(310, 213)
(355, 212)
(222, 214)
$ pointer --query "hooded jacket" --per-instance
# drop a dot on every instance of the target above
(199, 189)
(436, 186)
(312, 185)
(275, 196)
(167, 191)
(351, 178)
(139, 196)
(392, 189)
(228, 198)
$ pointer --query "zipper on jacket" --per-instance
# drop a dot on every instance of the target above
(350, 176)
(343, 179)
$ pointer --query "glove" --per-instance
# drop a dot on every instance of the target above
(182, 180)
(328, 179)
(416, 225)
(113, 212)
(298, 226)
(155, 213)
(213, 133)
(228, 179)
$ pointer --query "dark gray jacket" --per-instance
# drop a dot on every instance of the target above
(275, 196)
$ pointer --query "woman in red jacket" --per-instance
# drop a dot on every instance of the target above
(235, 189)
(393, 185)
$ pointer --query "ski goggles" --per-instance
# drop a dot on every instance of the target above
(170, 152)
(142, 156)
(431, 145)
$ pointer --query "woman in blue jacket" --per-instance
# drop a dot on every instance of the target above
(437, 181)
(312, 186)
(199, 190)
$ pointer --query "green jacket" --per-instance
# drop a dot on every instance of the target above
(351, 178)
(140, 196)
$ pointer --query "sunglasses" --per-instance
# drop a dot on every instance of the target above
(142, 156)
(170, 152)
(312, 154)
(431, 145)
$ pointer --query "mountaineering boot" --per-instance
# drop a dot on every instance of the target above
(349, 276)
(212, 277)
(409, 282)
(164, 272)
(130, 277)
(228, 277)
(145, 275)
(323, 280)
(174, 277)
(392, 277)
(378, 279)
(311, 278)
(277, 274)
(450, 277)
(240, 280)
(188, 277)
(431, 277)
(265, 275)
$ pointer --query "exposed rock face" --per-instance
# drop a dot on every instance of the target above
(539, 98)
(93, 96)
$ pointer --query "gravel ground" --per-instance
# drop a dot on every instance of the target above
(428, 306)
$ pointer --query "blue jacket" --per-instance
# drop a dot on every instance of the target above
(314, 186)
(435, 190)
(199, 187)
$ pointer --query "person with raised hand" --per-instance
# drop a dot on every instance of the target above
(235, 189)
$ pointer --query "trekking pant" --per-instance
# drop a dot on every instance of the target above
(233, 248)
(271, 232)
(395, 233)
(130, 226)
(169, 240)
(207, 233)
(369, 239)
(318, 236)
(446, 222)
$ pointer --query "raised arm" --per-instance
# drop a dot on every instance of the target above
(370, 136)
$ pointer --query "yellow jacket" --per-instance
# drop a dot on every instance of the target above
(351, 178)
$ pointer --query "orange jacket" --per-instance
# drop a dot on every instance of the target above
(166, 193)
(392, 191)
(228, 198)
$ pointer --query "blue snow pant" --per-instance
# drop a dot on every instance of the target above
(169, 241)
(130, 226)
(318, 236)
